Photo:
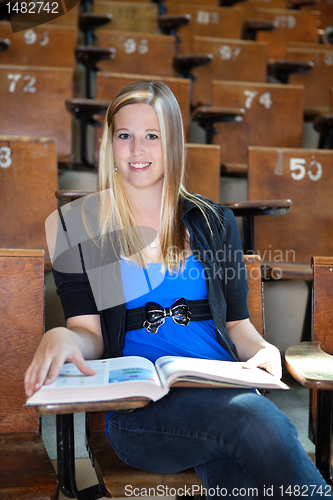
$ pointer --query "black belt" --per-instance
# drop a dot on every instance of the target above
(152, 315)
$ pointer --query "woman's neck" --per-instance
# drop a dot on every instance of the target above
(147, 208)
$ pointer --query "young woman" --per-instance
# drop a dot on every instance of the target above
(234, 438)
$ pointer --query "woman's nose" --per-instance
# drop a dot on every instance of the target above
(137, 147)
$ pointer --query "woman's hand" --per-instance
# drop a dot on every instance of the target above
(56, 347)
(252, 349)
(268, 358)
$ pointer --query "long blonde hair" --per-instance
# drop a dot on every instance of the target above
(116, 211)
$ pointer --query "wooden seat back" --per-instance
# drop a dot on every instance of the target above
(217, 22)
(273, 117)
(249, 7)
(28, 179)
(290, 26)
(112, 473)
(108, 84)
(26, 472)
(318, 81)
(326, 12)
(306, 177)
(203, 170)
(147, 54)
(32, 103)
(169, 4)
(234, 60)
(40, 46)
(129, 16)
(322, 303)
(22, 311)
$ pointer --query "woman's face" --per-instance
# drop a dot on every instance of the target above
(137, 147)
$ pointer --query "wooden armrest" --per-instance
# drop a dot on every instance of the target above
(116, 405)
(326, 35)
(286, 271)
(170, 23)
(184, 63)
(62, 194)
(234, 169)
(215, 114)
(229, 3)
(310, 365)
(86, 107)
(91, 20)
(90, 55)
(4, 44)
(207, 116)
(251, 26)
(262, 207)
(323, 124)
(282, 69)
(298, 4)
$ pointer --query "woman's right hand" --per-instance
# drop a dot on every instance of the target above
(56, 347)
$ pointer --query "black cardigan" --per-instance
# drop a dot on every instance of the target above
(221, 256)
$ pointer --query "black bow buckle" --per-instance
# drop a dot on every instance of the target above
(156, 314)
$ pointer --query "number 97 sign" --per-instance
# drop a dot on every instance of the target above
(299, 169)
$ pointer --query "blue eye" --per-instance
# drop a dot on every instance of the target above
(152, 136)
(123, 136)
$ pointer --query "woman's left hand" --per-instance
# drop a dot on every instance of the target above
(268, 358)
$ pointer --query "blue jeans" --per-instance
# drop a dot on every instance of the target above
(239, 443)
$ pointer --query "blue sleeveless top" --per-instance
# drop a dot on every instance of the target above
(197, 340)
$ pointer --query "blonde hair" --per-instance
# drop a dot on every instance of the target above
(116, 211)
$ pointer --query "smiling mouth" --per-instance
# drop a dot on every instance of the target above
(139, 166)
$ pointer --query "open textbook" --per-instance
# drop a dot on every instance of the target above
(133, 376)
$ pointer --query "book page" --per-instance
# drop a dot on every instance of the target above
(108, 371)
(115, 378)
(171, 368)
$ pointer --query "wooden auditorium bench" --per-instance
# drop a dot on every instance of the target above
(306, 177)
(32, 103)
(272, 116)
(290, 26)
(216, 22)
(324, 7)
(235, 60)
(323, 124)
(311, 364)
(26, 471)
(29, 181)
(318, 81)
(129, 16)
(40, 46)
(140, 53)
(249, 7)
(145, 53)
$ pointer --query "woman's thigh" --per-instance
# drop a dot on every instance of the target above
(189, 427)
